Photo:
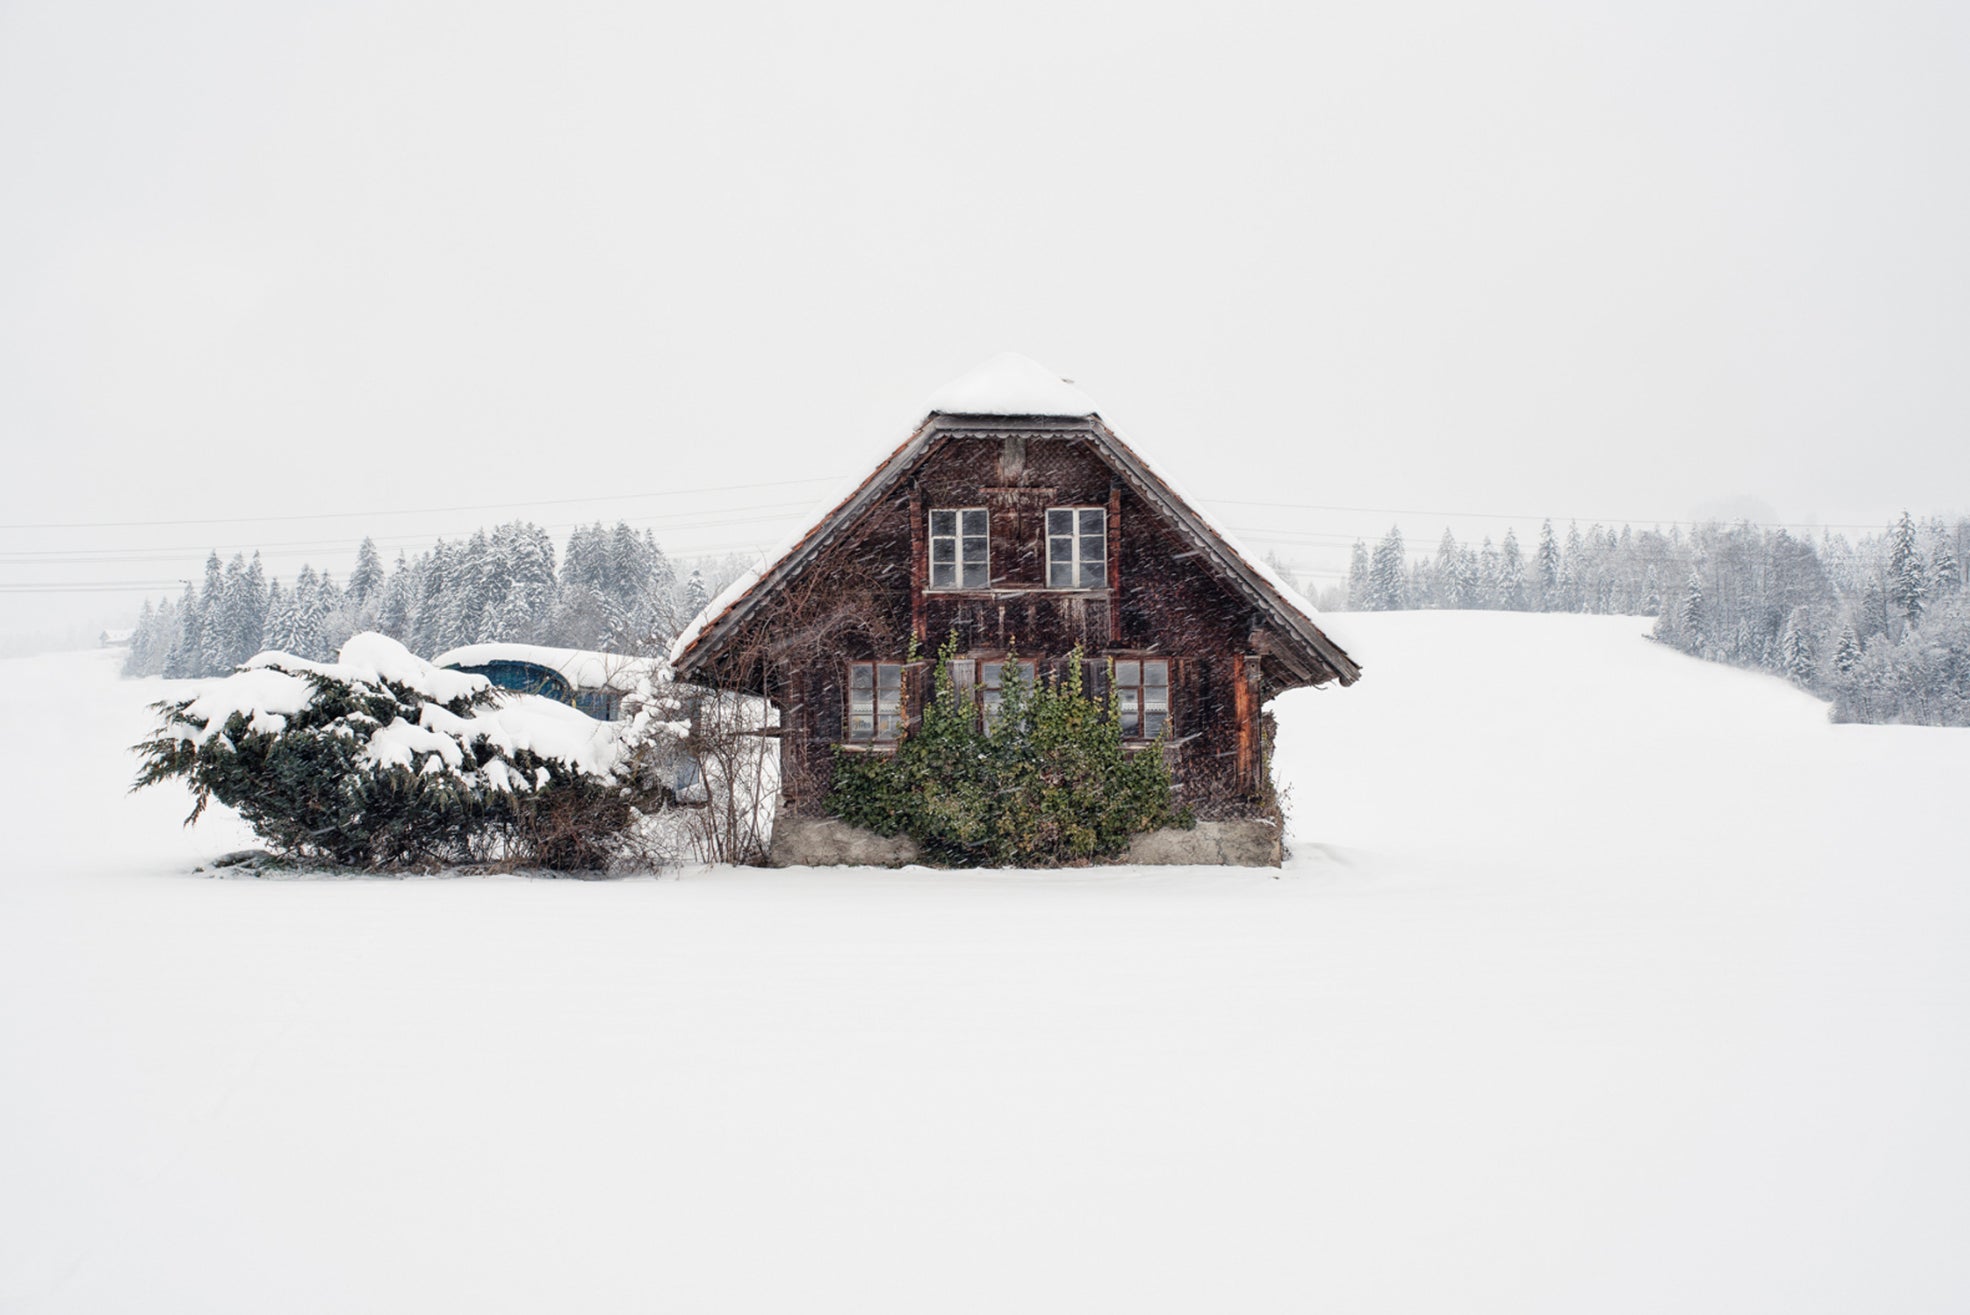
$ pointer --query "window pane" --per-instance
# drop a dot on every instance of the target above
(1094, 575)
(1128, 673)
(1094, 521)
(975, 549)
(889, 677)
(1156, 673)
(1152, 724)
(943, 550)
(1026, 670)
(1060, 521)
(943, 522)
(861, 676)
(988, 674)
(943, 575)
(975, 522)
(1060, 574)
(1094, 548)
(974, 575)
(1126, 698)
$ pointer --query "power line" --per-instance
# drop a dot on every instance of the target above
(297, 548)
(411, 511)
(1549, 516)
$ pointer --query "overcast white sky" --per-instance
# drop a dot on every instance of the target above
(1624, 261)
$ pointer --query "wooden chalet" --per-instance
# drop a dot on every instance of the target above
(1017, 520)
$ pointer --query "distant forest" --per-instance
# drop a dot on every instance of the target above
(612, 589)
(1881, 627)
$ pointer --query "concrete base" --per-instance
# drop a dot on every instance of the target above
(1252, 843)
(821, 842)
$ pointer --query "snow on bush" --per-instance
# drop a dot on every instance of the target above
(382, 760)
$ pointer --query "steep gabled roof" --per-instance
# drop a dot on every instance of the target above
(1011, 392)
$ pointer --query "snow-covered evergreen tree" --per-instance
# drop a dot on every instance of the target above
(1511, 574)
(1387, 572)
(1547, 572)
(1357, 578)
(1694, 615)
(696, 596)
(1908, 583)
(1795, 648)
(366, 580)
(1945, 572)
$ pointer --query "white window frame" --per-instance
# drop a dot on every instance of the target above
(1139, 699)
(880, 709)
(1075, 544)
(962, 564)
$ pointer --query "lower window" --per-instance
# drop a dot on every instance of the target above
(875, 700)
(1142, 696)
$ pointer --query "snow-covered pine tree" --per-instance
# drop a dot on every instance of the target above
(1548, 568)
(305, 634)
(1694, 616)
(470, 601)
(211, 600)
(184, 659)
(279, 634)
(1387, 573)
(1795, 648)
(1945, 572)
(1358, 577)
(431, 623)
(1469, 590)
(1847, 653)
(393, 617)
(1651, 593)
(1489, 581)
(242, 611)
(1448, 562)
(1511, 574)
(366, 580)
(1907, 573)
(696, 596)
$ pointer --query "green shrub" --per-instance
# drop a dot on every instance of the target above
(1048, 783)
(382, 761)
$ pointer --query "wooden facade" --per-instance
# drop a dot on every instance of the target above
(1140, 581)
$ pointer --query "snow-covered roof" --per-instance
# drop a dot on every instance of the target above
(579, 667)
(1011, 385)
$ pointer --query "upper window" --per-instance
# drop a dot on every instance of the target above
(875, 700)
(1077, 547)
(960, 549)
(1142, 696)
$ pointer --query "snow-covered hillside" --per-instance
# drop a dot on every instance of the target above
(1603, 980)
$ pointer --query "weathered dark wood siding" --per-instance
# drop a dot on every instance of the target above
(865, 596)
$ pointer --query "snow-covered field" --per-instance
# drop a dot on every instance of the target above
(1604, 980)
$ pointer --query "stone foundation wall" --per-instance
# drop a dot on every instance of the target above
(830, 842)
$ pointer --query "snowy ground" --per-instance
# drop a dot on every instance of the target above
(1604, 980)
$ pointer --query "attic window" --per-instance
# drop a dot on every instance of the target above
(960, 549)
(1077, 547)
(875, 700)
